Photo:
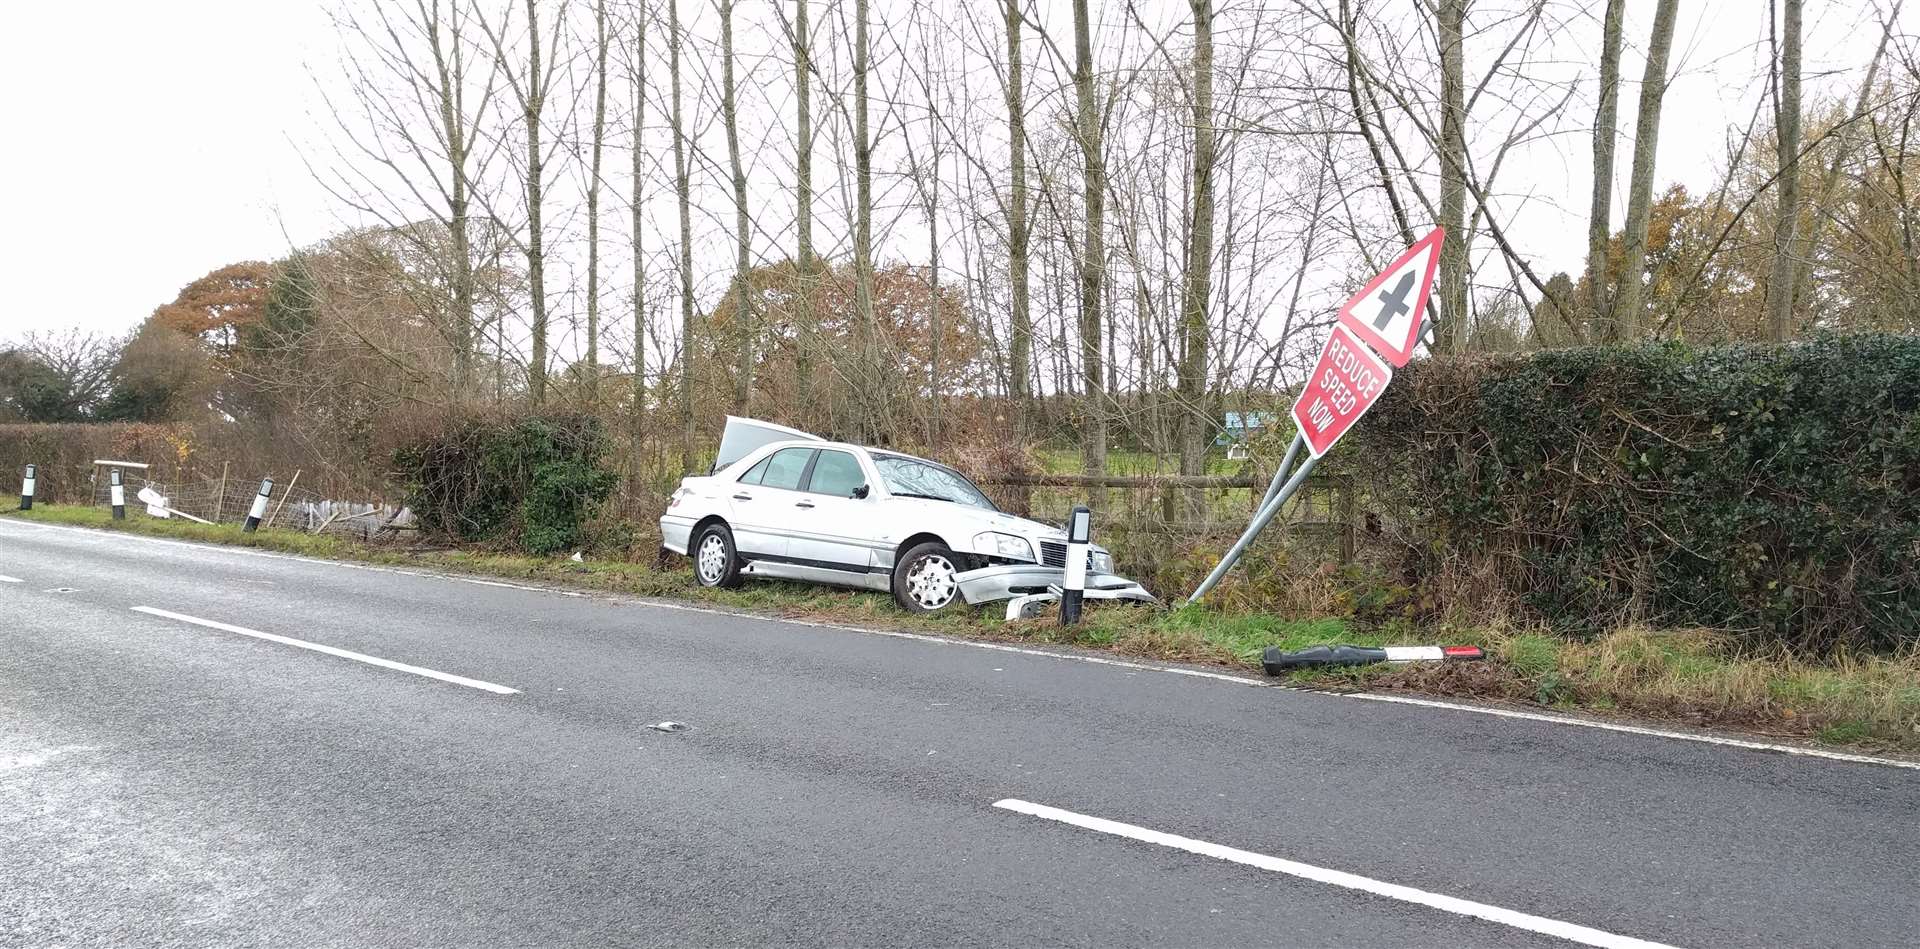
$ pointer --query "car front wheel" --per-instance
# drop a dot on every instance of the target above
(925, 578)
(715, 562)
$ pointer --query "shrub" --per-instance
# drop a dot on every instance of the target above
(530, 481)
(1770, 489)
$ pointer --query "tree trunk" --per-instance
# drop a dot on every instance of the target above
(1451, 334)
(873, 394)
(450, 64)
(531, 108)
(1606, 122)
(593, 201)
(1020, 341)
(1093, 257)
(742, 300)
(639, 257)
(1787, 219)
(1646, 144)
(683, 193)
(1197, 291)
(803, 212)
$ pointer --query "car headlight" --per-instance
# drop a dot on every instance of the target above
(1102, 562)
(1003, 545)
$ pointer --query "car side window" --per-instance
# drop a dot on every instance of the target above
(785, 467)
(757, 472)
(836, 473)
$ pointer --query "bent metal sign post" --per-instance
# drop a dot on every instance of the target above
(1378, 326)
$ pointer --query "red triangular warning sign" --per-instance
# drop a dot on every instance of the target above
(1387, 312)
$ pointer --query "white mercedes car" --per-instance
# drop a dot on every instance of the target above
(784, 504)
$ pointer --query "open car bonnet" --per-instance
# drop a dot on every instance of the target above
(743, 435)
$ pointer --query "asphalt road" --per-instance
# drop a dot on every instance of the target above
(168, 782)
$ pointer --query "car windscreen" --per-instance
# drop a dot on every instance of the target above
(911, 477)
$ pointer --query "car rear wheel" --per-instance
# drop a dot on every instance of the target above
(925, 578)
(715, 561)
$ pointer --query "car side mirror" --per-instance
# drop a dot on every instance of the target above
(862, 491)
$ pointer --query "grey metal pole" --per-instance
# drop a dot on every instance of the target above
(1259, 524)
(1280, 473)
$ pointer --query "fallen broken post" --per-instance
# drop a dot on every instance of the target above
(1278, 661)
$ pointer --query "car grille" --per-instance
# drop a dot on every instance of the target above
(1054, 554)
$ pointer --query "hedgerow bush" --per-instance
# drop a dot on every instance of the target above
(1770, 489)
(531, 481)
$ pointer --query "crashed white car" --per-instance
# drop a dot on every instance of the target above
(788, 505)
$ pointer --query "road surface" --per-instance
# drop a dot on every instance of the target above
(203, 745)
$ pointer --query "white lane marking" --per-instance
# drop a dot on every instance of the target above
(1571, 932)
(1637, 730)
(1800, 750)
(6, 579)
(330, 650)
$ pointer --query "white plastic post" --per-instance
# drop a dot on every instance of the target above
(259, 509)
(117, 494)
(1073, 586)
(26, 489)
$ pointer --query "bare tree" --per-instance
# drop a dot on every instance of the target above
(743, 323)
(600, 45)
(637, 79)
(1020, 330)
(803, 202)
(1606, 121)
(1787, 142)
(1093, 249)
(872, 394)
(1198, 286)
(683, 193)
(1646, 143)
(1451, 335)
(531, 91)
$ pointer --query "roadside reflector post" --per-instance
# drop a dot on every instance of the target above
(1073, 586)
(1278, 661)
(259, 509)
(117, 494)
(26, 489)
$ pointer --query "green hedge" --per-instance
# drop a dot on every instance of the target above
(531, 481)
(1771, 489)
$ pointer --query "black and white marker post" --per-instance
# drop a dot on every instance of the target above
(1073, 586)
(26, 489)
(117, 494)
(259, 509)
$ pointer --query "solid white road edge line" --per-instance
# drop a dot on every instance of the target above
(1802, 751)
(1506, 917)
(330, 650)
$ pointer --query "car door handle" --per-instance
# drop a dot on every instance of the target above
(803, 504)
(743, 497)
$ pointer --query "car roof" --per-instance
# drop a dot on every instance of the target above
(816, 443)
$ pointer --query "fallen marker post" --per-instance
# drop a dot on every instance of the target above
(116, 495)
(259, 508)
(26, 489)
(1277, 661)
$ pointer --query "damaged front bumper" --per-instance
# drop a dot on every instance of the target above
(1032, 582)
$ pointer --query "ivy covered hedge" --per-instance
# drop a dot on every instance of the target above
(531, 481)
(1770, 489)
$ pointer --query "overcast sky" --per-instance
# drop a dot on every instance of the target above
(150, 143)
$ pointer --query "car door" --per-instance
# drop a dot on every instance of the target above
(830, 526)
(762, 502)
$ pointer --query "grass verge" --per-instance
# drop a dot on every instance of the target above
(1690, 676)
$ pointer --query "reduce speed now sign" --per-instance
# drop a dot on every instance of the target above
(1345, 383)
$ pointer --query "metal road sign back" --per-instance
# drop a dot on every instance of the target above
(1344, 385)
(1386, 312)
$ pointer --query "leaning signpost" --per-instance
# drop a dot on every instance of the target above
(1378, 326)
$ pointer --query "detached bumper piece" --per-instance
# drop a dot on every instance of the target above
(1031, 586)
(1279, 662)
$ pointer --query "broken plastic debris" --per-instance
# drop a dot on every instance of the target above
(670, 726)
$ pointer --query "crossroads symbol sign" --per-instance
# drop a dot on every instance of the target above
(1386, 312)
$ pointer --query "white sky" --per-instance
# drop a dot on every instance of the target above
(150, 143)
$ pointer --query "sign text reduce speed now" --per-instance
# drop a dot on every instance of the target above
(1345, 383)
